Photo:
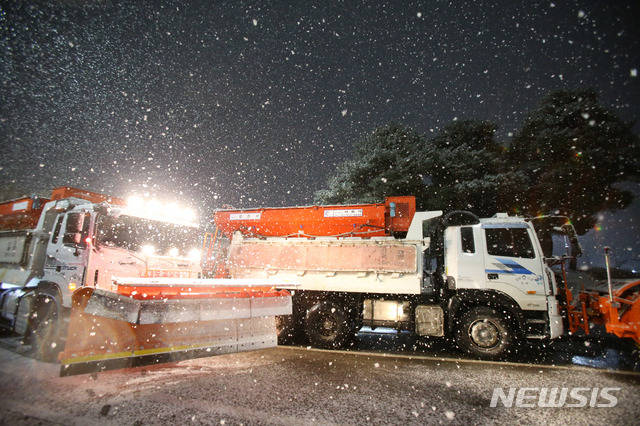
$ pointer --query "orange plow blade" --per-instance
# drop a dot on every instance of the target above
(158, 316)
(622, 315)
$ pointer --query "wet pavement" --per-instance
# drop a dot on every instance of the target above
(598, 350)
(299, 385)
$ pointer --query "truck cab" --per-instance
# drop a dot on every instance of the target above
(91, 244)
(502, 256)
(83, 239)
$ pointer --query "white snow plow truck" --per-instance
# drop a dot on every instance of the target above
(484, 282)
(90, 278)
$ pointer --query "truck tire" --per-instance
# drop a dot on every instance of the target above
(484, 333)
(45, 328)
(288, 331)
(328, 326)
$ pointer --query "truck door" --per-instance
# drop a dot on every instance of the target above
(66, 253)
(464, 258)
(513, 265)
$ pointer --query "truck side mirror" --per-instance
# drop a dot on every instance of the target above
(72, 239)
(73, 231)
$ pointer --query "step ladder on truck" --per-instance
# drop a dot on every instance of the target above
(89, 278)
(484, 282)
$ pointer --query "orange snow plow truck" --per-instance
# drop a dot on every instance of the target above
(484, 282)
(88, 278)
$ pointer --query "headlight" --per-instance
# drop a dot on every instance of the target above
(148, 249)
(194, 254)
(157, 210)
(189, 215)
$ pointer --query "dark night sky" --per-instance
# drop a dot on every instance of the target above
(253, 103)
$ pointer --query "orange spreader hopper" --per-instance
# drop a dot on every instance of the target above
(63, 192)
(149, 316)
(21, 213)
(370, 220)
(24, 212)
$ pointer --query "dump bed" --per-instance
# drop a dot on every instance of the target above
(18, 220)
(14, 247)
(24, 238)
(375, 265)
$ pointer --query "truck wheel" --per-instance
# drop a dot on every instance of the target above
(484, 333)
(288, 330)
(45, 329)
(328, 326)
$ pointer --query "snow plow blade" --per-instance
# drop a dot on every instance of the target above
(621, 315)
(148, 317)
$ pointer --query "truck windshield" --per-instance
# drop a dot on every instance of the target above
(557, 236)
(138, 234)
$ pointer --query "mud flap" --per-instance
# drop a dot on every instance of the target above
(108, 326)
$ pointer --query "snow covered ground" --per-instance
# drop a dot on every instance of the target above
(289, 385)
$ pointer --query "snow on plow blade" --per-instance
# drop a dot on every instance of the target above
(166, 315)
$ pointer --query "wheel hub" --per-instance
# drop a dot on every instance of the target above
(484, 333)
(328, 327)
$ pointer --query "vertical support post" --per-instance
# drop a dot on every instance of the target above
(606, 259)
